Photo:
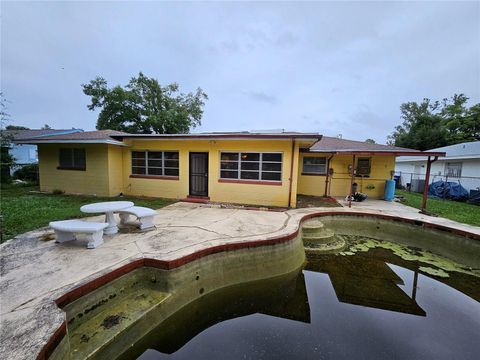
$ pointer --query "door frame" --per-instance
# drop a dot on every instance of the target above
(207, 156)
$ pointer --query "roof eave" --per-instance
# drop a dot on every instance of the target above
(96, 141)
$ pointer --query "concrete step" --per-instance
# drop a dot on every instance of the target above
(312, 226)
(96, 332)
(323, 237)
(332, 247)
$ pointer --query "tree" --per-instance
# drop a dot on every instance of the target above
(16, 127)
(144, 106)
(430, 125)
(46, 127)
(6, 160)
(370, 141)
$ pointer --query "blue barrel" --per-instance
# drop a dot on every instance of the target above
(389, 190)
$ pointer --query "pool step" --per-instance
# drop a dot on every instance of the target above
(95, 333)
(317, 238)
(332, 247)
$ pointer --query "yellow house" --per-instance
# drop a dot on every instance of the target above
(268, 169)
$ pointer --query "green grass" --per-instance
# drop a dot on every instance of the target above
(453, 210)
(23, 211)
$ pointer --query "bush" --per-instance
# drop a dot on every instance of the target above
(27, 173)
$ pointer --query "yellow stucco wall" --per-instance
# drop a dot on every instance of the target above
(93, 181)
(257, 194)
(381, 166)
(115, 170)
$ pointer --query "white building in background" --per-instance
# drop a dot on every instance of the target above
(461, 164)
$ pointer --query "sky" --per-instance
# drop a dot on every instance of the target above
(328, 67)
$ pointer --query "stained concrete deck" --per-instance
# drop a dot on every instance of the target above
(36, 272)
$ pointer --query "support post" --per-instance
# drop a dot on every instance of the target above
(351, 182)
(425, 187)
(327, 178)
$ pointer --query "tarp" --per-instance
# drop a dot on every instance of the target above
(448, 190)
(474, 197)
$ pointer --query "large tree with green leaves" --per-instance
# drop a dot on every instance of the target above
(433, 124)
(144, 106)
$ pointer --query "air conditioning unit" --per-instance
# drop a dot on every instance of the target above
(417, 185)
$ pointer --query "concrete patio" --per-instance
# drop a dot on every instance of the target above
(36, 271)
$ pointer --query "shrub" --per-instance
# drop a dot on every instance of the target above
(27, 173)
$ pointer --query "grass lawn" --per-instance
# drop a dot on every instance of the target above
(24, 211)
(453, 210)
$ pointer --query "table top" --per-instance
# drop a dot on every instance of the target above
(108, 206)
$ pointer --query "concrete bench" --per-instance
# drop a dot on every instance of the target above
(144, 215)
(66, 230)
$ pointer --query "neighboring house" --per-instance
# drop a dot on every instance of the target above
(27, 153)
(238, 167)
(461, 164)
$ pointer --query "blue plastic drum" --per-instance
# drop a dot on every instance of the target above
(389, 190)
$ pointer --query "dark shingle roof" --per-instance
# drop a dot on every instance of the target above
(100, 136)
(329, 144)
(36, 133)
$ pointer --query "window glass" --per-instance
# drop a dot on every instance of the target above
(252, 166)
(155, 163)
(314, 165)
(250, 157)
(454, 169)
(72, 159)
(363, 166)
(271, 176)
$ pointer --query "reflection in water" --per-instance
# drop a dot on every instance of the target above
(370, 305)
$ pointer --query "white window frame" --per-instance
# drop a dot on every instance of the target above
(163, 167)
(314, 172)
(260, 161)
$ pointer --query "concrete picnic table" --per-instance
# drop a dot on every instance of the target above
(108, 207)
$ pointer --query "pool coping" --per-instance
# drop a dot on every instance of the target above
(104, 279)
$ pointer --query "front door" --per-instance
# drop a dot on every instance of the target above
(198, 174)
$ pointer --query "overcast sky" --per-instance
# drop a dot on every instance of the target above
(334, 68)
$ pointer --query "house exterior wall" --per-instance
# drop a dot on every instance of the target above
(262, 193)
(93, 181)
(381, 167)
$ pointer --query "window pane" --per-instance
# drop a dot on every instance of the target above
(229, 174)
(79, 158)
(250, 165)
(154, 163)
(249, 175)
(250, 157)
(154, 155)
(171, 172)
(171, 155)
(229, 156)
(272, 176)
(271, 166)
(171, 163)
(272, 157)
(138, 170)
(65, 158)
(310, 160)
(363, 166)
(229, 165)
(314, 169)
(138, 154)
(136, 162)
(154, 171)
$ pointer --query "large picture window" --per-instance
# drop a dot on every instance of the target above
(314, 165)
(453, 169)
(155, 163)
(251, 166)
(72, 159)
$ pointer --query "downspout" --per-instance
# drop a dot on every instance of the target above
(351, 183)
(425, 186)
(291, 174)
(327, 180)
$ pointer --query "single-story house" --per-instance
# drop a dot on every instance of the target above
(236, 167)
(460, 164)
(25, 154)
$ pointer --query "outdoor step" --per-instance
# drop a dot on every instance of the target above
(331, 247)
(312, 226)
(323, 237)
(97, 332)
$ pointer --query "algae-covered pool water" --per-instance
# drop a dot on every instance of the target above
(374, 300)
